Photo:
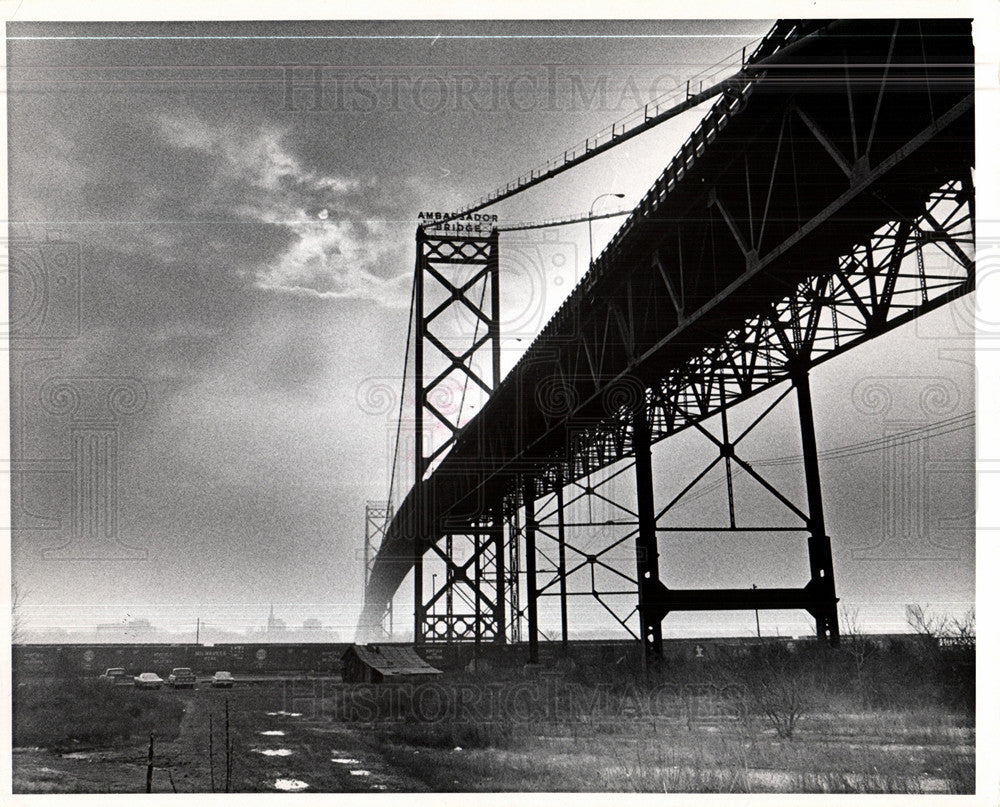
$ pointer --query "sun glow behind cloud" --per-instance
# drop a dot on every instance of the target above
(341, 246)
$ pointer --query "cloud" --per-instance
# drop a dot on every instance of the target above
(334, 260)
(258, 156)
(343, 240)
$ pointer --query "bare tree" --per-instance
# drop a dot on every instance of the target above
(858, 646)
(939, 629)
(962, 630)
(782, 689)
(923, 622)
(852, 636)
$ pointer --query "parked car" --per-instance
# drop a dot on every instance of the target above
(222, 679)
(148, 680)
(181, 677)
(114, 675)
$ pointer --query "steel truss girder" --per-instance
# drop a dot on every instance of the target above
(870, 292)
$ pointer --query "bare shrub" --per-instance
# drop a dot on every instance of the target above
(782, 686)
(860, 649)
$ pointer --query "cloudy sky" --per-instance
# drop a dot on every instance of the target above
(218, 221)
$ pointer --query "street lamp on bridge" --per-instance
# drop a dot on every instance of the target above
(590, 220)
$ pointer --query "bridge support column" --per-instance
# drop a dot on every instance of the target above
(496, 535)
(821, 585)
(449, 597)
(646, 549)
(561, 533)
(419, 610)
(530, 525)
(513, 590)
(477, 541)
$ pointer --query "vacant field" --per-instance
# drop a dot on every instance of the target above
(876, 722)
(858, 720)
(849, 754)
(63, 714)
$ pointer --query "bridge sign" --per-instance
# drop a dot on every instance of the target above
(470, 223)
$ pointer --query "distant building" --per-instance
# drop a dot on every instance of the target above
(275, 625)
(132, 630)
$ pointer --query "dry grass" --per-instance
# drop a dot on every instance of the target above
(87, 713)
(678, 760)
(775, 721)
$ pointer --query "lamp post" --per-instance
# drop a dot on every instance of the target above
(590, 223)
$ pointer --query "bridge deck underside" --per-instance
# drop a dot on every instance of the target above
(799, 193)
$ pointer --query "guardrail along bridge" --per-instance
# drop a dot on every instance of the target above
(824, 199)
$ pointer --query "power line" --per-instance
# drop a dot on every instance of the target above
(936, 429)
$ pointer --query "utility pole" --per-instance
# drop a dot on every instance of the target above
(756, 614)
(149, 765)
(229, 750)
(197, 631)
(211, 755)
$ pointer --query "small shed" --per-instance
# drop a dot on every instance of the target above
(385, 664)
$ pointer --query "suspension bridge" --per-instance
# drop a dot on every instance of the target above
(825, 198)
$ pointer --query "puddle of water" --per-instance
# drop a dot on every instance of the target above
(345, 760)
(79, 755)
(284, 714)
(290, 785)
(361, 773)
(273, 752)
(933, 784)
(378, 787)
(273, 733)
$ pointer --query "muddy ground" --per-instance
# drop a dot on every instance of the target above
(326, 756)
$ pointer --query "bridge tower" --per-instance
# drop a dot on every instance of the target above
(377, 518)
(456, 361)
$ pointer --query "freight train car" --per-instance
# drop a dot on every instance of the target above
(70, 660)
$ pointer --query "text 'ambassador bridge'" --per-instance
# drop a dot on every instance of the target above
(824, 199)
